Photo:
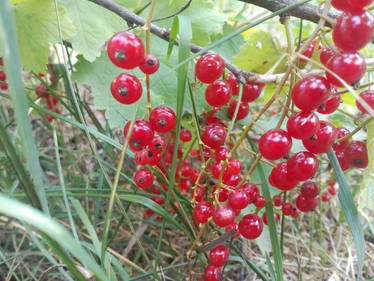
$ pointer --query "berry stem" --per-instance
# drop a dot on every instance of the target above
(356, 130)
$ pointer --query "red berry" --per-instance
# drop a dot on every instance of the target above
(358, 4)
(218, 93)
(234, 166)
(143, 178)
(303, 165)
(125, 50)
(310, 50)
(252, 191)
(287, 209)
(238, 199)
(332, 190)
(221, 154)
(3, 86)
(310, 92)
(356, 154)
(150, 64)
(210, 117)
(214, 135)
(224, 215)
(309, 189)
(41, 90)
(2, 76)
(260, 202)
(306, 204)
(278, 200)
(242, 111)
(342, 159)
(302, 125)
(281, 178)
(251, 91)
(141, 136)
(340, 5)
(184, 186)
(349, 66)
(209, 68)
(233, 180)
(219, 255)
(202, 211)
(185, 135)
(157, 144)
(153, 159)
(234, 226)
(162, 119)
(323, 140)
(231, 80)
(212, 273)
(341, 132)
(325, 197)
(368, 98)
(326, 55)
(250, 226)
(140, 157)
(275, 144)
(199, 193)
(223, 194)
(330, 105)
(126, 88)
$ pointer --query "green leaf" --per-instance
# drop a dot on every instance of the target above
(37, 31)
(94, 25)
(260, 52)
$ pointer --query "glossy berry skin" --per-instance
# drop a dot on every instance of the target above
(356, 154)
(287, 209)
(341, 132)
(302, 125)
(305, 205)
(250, 226)
(162, 119)
(2, 75)
(326, 55)
(325, 197)
(223, 193)
(281, 178)
(330, 105)
(242, 111)
(340, 5)
(260, 202)
(214, 135)
(323, 140)
(231, 80)
(358, 4)
(310, 50)
(344, 164)
(3, 86)
(303, 165)
(234, 226)
(150, 64)
(219, 255)
(251, 91)
(125, 50)
(157, 144)
(221, 154)
(349, 66)
(275, 144)
(310, 92)
(278, 200)
(212, 273)
(238, 199)
(234, 166)
(218, 93)
(309, 189)
(185, 135)
(199, 193)
(140, 157)
(142, 134)
(126, 88)
(224, 215)
(202, 211)
(143, 178)
(252, 191)
(353, 31)
(209, 68)
(368, 97)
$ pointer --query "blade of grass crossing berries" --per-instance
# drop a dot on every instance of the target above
(20, 102)
(173, 36)
(270, 266)
(350, 212)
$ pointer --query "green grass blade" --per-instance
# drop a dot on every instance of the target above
(350, 212)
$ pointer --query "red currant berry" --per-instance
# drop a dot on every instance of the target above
(125, 50)
(210, 117)
(356, 154)
(260, 202)
(323, 140)
(212, 273)
(141, 136)
(305, 205)
(41, 90)
(242, 111)
(252, 191)
(219, 255)
(218, 93)
(281, 178)
(340, 5)
(143, 178)
(278, 200)
(238, 199)
(223, 193)
(275, 144)
(162, 119)
(303, 165)
(302, 125)
(349, 66)
(326, 55)
(221, 154)
(153, 159)
(224, 215)
(202, 211)
(250, 226)
(310, 50)
(185, 135)
(325, 197)
(140, 157)
(367, 100)
(2, 76)
(233, 180)
(214, 135)
(216, 171)
(330, 105)
(358, 4)
(184, 186)
(126, 88)
(251, 91)
(234, 226)
(157, 144)
(310, 92)
(199, 193)
(332, 190)
(341, 132)
(309, 189)
(234, 166)
(287, 209)
(209, 68)
(231, 80)
(344, 164)
(150, 64)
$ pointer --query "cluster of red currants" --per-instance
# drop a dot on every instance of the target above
(51, 101)
(3, 83)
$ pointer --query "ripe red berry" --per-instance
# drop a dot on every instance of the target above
(275, 144)
(185, 135)
(310, 92)
(250, 226)
(199, 193)
(212, 273)
(309, 189)
(231, 80)
(340, 5)
(310, 50)
(330, 105)
(125, 50)
(242, 111)
(223, 193)
(358, 4)
(209, 68)
(323, 140)
(3, 86)
(238, 199)
(325, 197)
(150, 64)
(332, 190)
(221, 154)
(341, 132)
(234, 226)
(326, 55)
(278, 200)
(219, 255)
(143, 178)
(260, 202)
(356, 154)
(141, 136)
(368, 98)
(342, 159)
(252, 191)
(353, 30)
(157, 144)
(251, 91)
(214, 135)
(306, 204)
(140, 157)
(153, 159)
(287, 209)
(218, 93)
(2, 76)
(202, 211)
(162, 119)
(349, 66)
(234, 166)
(184, 186)
(126, 88)
(281, 178)
(302, 125)
(41, 90)
(303, 165)
(224, 215)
